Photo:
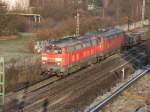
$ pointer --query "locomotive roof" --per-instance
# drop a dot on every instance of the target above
(64, 42)
(112, 32)
(70, 41)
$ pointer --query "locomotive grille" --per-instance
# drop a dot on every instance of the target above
(52, 61)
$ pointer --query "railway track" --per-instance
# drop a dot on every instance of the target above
(116, 93)
(36, 91)
(57, 94)
(41, 93)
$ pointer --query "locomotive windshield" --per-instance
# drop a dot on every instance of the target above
(53, 50)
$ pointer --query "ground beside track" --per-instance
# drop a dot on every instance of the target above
(18, 48)
(20, 61)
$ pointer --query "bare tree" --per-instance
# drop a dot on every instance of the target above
(105, 5)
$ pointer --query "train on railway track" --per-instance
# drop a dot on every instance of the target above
(70, 54)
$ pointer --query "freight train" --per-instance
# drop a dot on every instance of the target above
(70, 54)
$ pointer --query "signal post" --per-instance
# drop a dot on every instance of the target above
(2, 84)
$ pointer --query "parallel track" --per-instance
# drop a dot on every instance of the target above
(99, 106)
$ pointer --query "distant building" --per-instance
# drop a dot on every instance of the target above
(29, 4)
(16, 4)
(94, 4)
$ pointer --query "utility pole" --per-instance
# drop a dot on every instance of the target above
(78, 23)
(78, 17)
(143, 10)
(117, 11)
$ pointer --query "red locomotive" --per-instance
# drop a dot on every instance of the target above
(70, 54)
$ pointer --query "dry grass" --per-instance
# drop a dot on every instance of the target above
(19, 73)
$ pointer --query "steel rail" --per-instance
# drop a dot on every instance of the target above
(136, 76)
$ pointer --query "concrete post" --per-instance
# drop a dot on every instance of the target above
(123, 74)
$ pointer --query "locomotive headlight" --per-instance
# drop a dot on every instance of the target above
(58, 59)
(58, 63)
(44, 62)
(100, 46)
(44, 58)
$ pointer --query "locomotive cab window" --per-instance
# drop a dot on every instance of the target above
(98, 40)
(94, 42)
(86, 44)
(70, 49)
(53, 50)
(110, 36)
(78, 46)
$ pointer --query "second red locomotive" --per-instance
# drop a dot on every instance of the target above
(70, 54)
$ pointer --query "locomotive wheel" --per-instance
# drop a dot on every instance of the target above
(44, 73)
(62, 74)
(119, 50)
(99, 59)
